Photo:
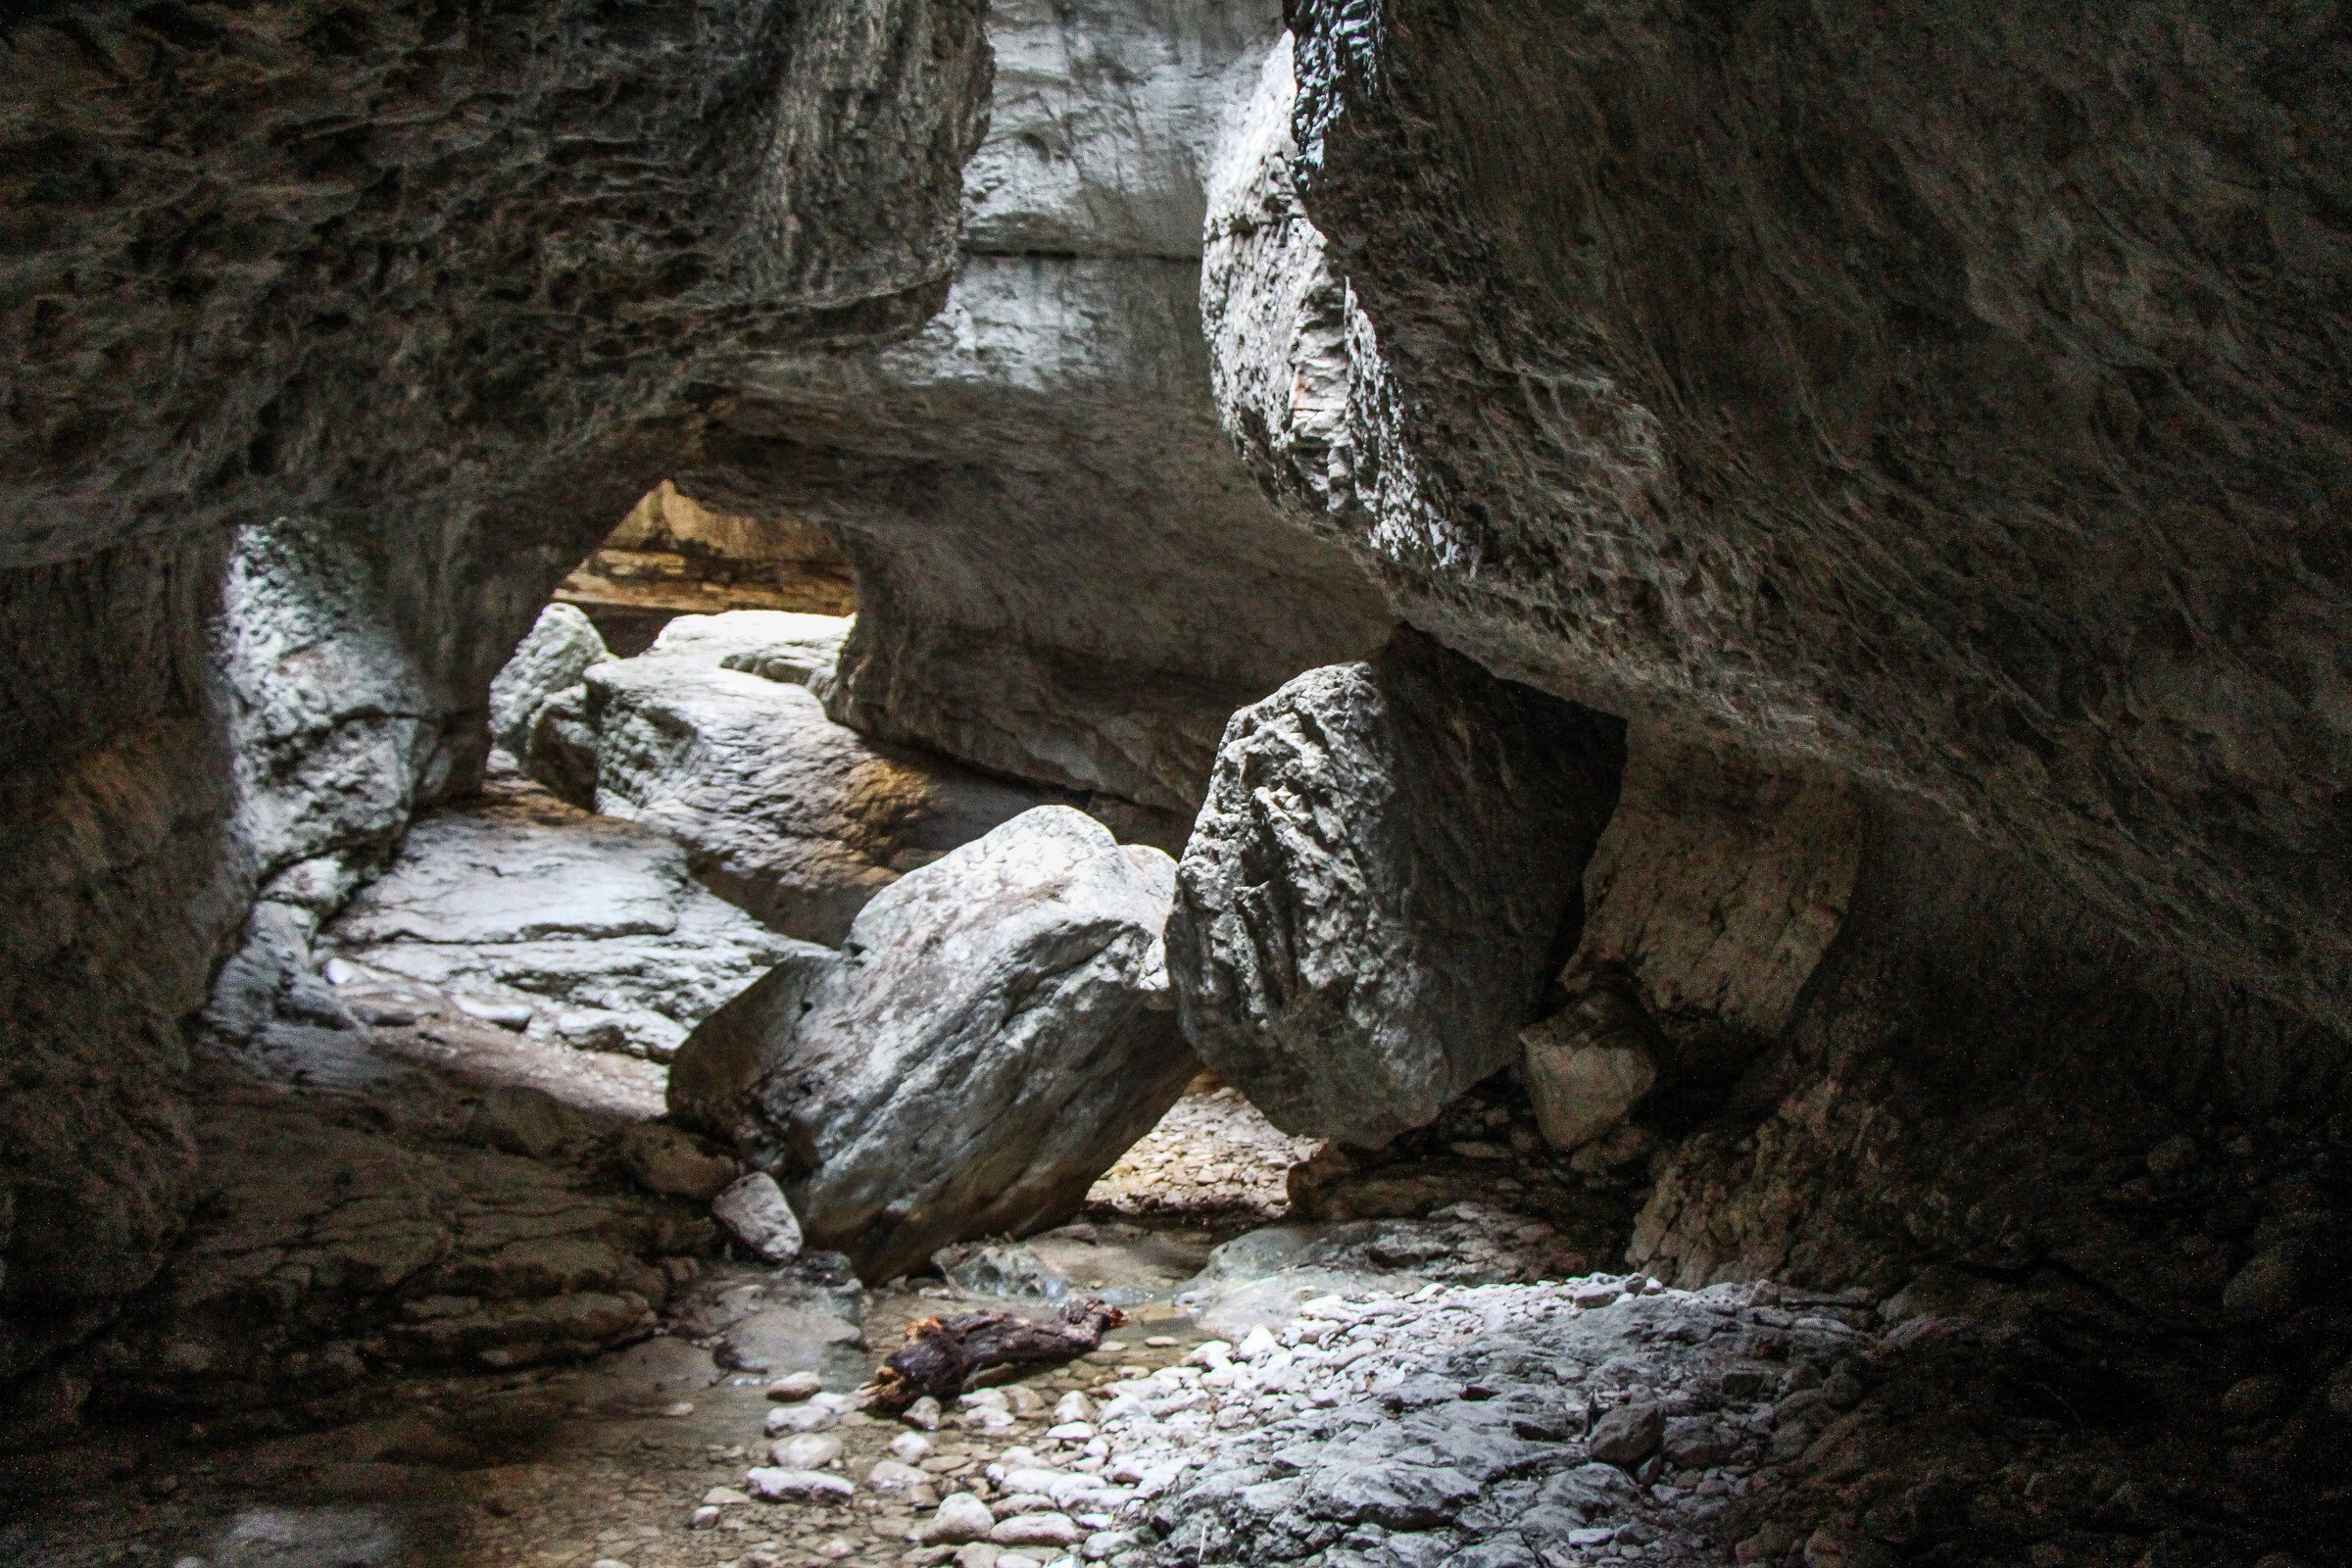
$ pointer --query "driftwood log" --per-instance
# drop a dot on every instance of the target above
(943, 1355)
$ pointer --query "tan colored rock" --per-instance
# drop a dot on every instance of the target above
(1588, 1066)
(1720, 882)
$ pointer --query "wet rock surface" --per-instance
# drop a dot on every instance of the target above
(1377, 884)
(994, 1035)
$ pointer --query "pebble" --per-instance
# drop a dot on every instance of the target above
(922, 1414)
(910, 1447)
(806, 1451)
(961, 1518)
(772, 1484)
(794, 1386)
(893, 1475)
(1037, 1530)
(810, 1417)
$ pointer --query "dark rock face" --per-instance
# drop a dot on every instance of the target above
(1375, 892)
(1949, 394)
(993, 1036)
(1063, 574)
(436, 284)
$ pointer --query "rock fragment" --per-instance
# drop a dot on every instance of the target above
(754, 1210)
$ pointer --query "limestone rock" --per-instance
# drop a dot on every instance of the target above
(561, 647)
(754, 1210)
(1720, 882)
(669, 554)
(993, 1038)
(368, 321)
(1551, 386)
(595, 923)
(797, 649)
(676, 1164)
(785, 814)
(1373, 894)
(1039, 502)
(1588, 1066)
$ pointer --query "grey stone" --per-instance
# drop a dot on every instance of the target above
(1395, 1495)
(594, 926)
(774, 1483)
(785, 814)
(994, 1037)
(1588, 1066)
(754, 1210)
(1372, 895)
(561, 646)
(1627, 1435)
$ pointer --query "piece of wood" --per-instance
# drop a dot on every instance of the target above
(942, 1357)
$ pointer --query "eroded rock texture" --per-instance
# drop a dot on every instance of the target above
(1948, 394)
(995, 1035)
(713, 738)
(1063, 575)
(1380, 884)
(434, 283)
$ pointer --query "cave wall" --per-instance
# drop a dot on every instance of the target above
(417, 298)
(1945, 393)
(1942, 493)
(1063, 573)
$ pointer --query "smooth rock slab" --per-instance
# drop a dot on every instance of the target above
(595, 924)
(1370, 900)
(993, 1039)
(773, 1484)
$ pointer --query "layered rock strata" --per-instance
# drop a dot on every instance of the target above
(715, 738)
(1383, 877)
(1063, 574)
(993, 1036)
(671, 556)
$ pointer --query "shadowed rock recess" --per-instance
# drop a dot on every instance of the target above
(1702, 650)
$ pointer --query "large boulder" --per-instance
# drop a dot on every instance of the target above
(1376, 891)
(786, 815)
(995, 1035)
(1856, 390)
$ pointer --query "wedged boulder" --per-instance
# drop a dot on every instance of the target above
(1373, 896)
(562, 645)
(993, 1036)
(785, 814)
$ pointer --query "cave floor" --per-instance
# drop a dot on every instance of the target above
(606, 1462)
